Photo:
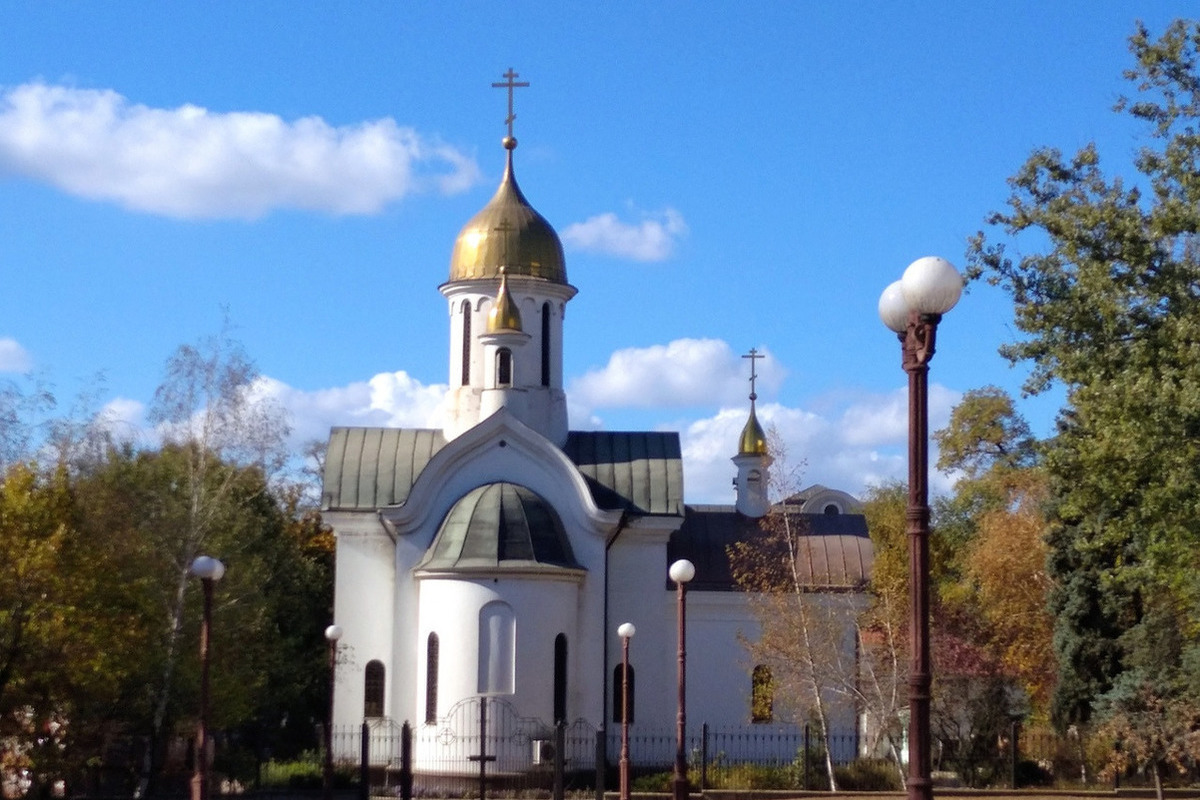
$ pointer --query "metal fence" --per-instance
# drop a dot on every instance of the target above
(485, 743)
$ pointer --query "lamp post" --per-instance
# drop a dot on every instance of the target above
(681, 572)
(626, 632)
(332, 634)
(912, 307)
(209, 570)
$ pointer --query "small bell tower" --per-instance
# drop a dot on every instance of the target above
(753, 461)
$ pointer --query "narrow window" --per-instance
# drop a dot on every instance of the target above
(373, 690)
(497, 648)
(466, 343)
(431, 678)
(504, 367)
(560, 677)
(762, 695)
(619, 693)
(545, 344)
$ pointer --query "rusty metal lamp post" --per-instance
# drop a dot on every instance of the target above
(912, 307)
(332, 634)
(209, 570)
(626, 632)
(681, 572)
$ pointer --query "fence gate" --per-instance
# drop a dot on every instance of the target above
(483, 742)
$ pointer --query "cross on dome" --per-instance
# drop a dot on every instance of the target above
(753, 355)
(510, 84)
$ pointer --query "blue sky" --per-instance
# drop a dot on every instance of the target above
(724, 176)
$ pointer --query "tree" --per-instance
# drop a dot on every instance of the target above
(1106, 302)
(213, 419)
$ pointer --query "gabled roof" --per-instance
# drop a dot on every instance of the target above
(835, 552)
(371, 468)
(636, 471)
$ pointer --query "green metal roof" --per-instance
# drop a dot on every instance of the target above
(640, 471)
(499, 526)
(370, 468)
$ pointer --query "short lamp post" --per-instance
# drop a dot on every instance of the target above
(332, 634)
(912, 307)
(681, 572)
(209, 570)
(626, 632)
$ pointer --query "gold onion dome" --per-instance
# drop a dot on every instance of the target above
(504, 315)
(753, 441)
(509, 233)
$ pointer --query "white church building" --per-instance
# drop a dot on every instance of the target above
(497, 556)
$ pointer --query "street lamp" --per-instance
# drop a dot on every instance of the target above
(681, 572)
(209, 570)
(332, 634)
(626, 632)
(912, 307)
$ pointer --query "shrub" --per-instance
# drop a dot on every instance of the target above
(868, 775)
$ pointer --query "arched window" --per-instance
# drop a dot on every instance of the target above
(545, 344)
(504, 367)
(373, 689)
(762, 694)
(560, 677)
(466, 343)
(497, 648)
(832, 509)
(618, 693)
(431, 678)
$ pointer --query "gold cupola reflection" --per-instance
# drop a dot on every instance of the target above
(508, 233)
(753, 441)
(504, 317)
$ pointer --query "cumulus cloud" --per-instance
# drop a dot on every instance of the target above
(13, 357)
(653, 238)
(851, 444)
(389, 399)
(191, 162)
(685, 372)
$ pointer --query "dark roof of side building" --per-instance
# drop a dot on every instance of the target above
(835, 552)
(371, 468)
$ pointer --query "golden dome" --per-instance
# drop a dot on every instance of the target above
(753, 441)
(509, 233)
(504, 315)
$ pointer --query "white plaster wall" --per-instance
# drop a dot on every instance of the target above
(638, 593)
(543, 609)
(718, 665)
(542, 407)
(362, 607)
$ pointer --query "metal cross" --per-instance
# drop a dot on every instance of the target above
(510, 85)
(505, 227)
(754, 355)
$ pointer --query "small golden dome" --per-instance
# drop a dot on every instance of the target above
(508, 233)
(753, 441)
(504, 314)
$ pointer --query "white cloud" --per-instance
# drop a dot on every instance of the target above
(190, 162)
(852, 444)
(685, 372)
(651, 239)
(393, 399)
(13, 357)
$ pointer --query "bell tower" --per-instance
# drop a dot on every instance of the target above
(507, 295)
